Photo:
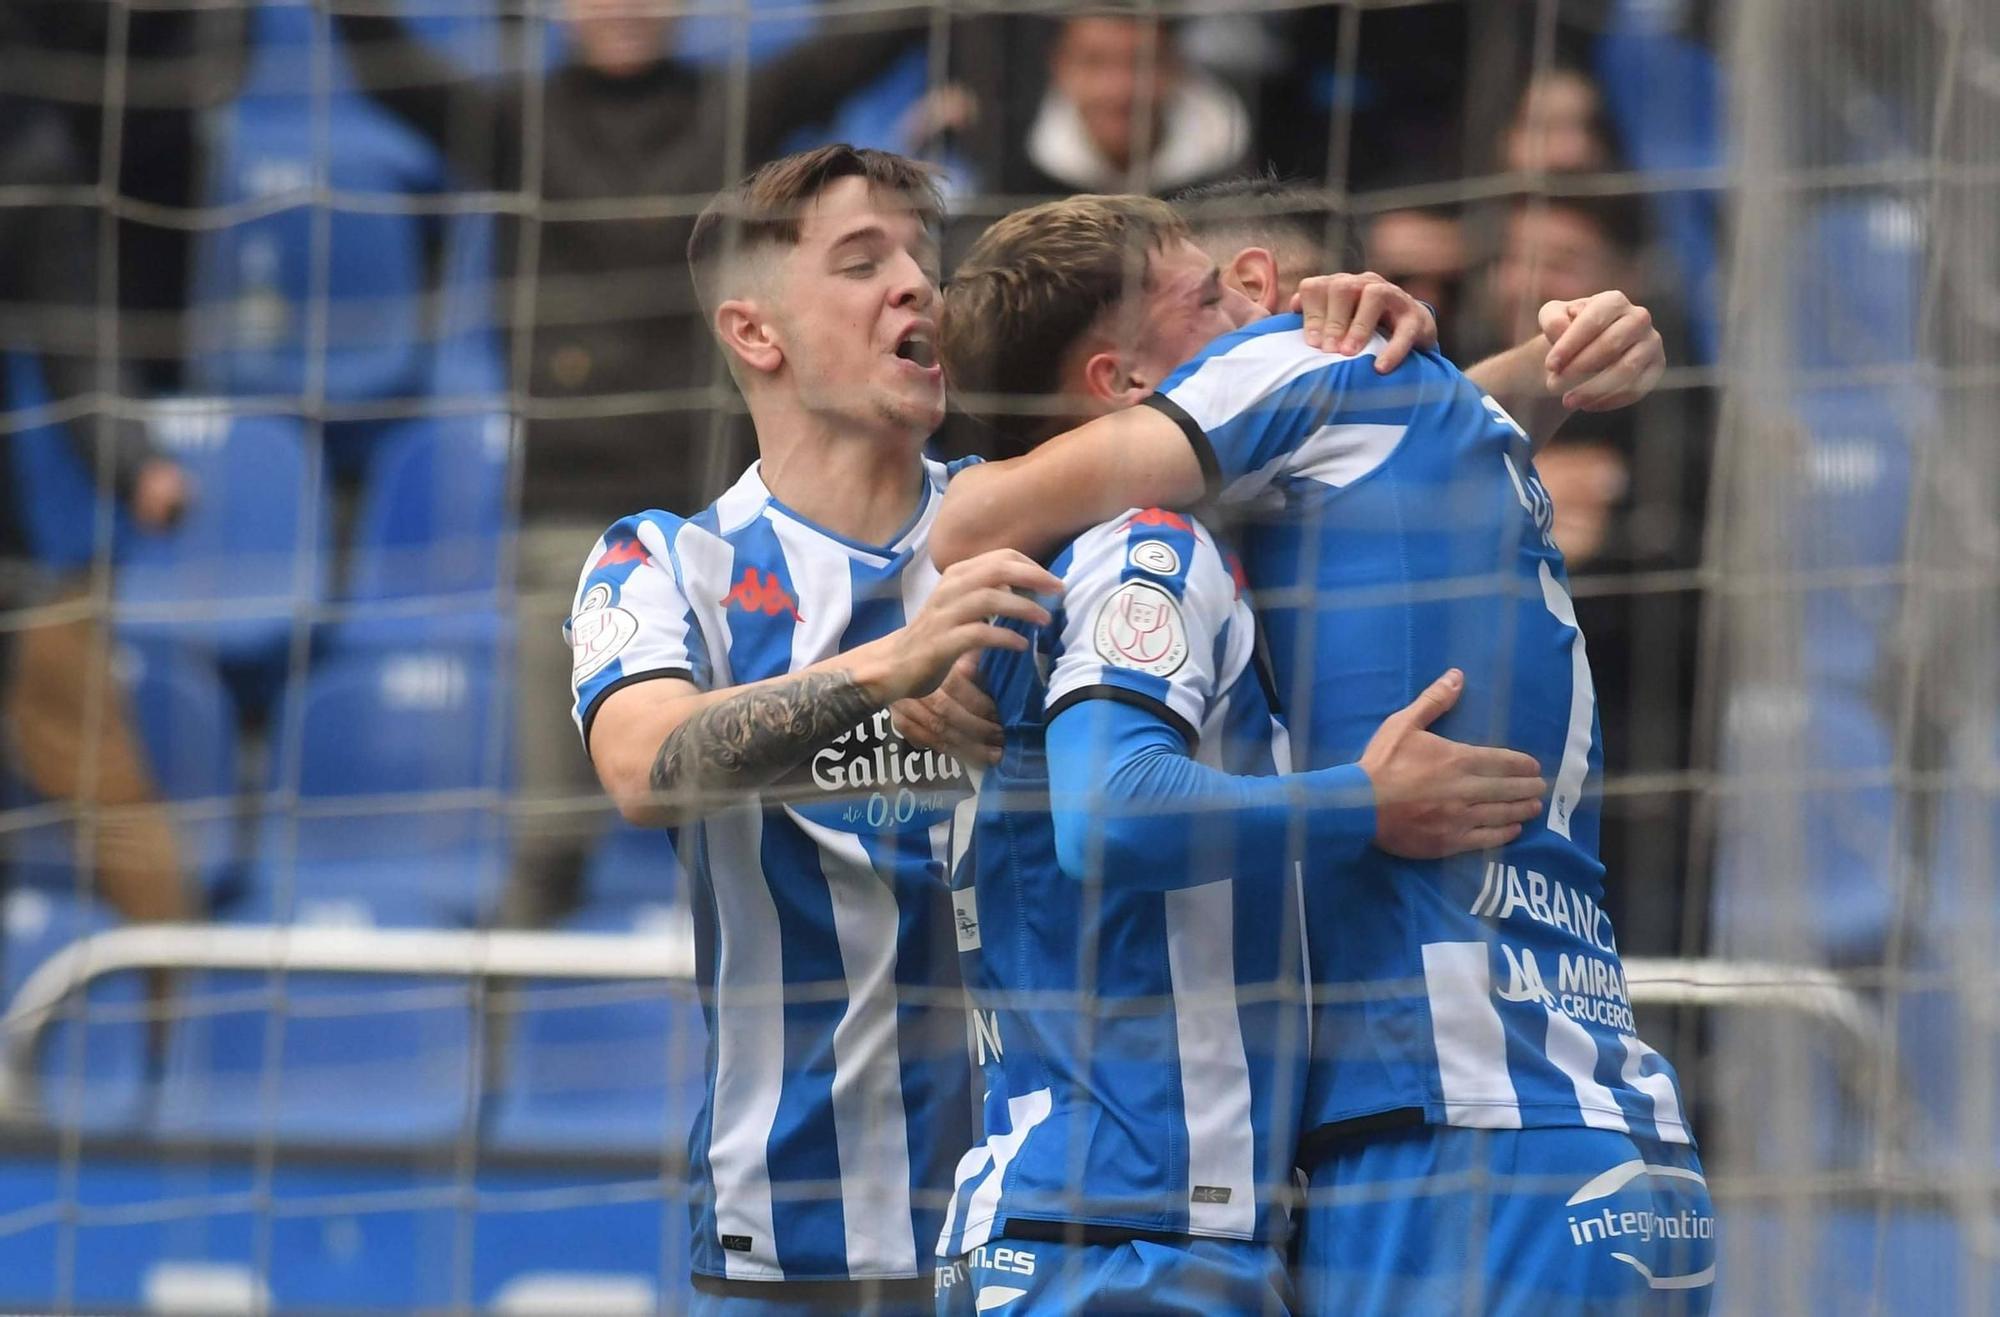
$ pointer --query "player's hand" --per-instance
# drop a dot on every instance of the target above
(958, 718)
(1343, 311)
(160, 494)
(1435, 797)
(962, 617)
(1603, 352)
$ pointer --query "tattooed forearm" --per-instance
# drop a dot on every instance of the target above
(754, 737)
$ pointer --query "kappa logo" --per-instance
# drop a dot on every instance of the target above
(1160, 517)
(1140, 627)
(621, 550)
(760, 592)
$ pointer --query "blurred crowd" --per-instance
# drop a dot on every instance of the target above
(204, 203)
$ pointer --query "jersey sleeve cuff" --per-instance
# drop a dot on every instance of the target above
(1204, 451)
(1124, 695)
(633, 679)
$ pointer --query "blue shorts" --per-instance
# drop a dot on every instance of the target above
(1500, 1222)
(1199, 1277)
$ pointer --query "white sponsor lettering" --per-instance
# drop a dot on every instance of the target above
(1508, 891)
(1524, 979)
(1014, 1261)
(986, 1034)
(1644, 1224)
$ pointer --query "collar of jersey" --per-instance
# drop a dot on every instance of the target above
(926, 492)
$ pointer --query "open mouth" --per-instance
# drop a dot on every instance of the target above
(918, 348)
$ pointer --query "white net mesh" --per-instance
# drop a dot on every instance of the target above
(335, 334)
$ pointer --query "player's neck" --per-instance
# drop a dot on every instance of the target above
(864, 486)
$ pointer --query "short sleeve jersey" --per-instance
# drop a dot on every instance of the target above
(837, 1076)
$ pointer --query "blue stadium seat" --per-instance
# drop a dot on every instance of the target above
(263, 285)
(61, 519)
(1869, 316)
(247, 558)
(1666, 93)
(632, 866)
(92, 1064)
(392, 751)
(367, 1059)
(430, 537)
(607, 1066)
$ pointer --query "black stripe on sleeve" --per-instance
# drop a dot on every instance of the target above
(633, 679)
(1105, 691)
(1204, 451)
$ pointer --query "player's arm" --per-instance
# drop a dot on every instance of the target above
(1127, 797)
(1128, 800)
(1131, 459)
(667, 751)
(1141, 458)
(1594, 354)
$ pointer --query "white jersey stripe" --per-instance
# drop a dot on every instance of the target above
(1471, 1040)
(1023, 1114)
(1659, 1086)
(1567, 791)
(1573, 1051)
(749, 1038)
(868, 1078)
(1215, 1072)
(976, 1159)
(703, 557)
(1224, 387)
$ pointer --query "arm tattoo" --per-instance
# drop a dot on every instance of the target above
(754, 737)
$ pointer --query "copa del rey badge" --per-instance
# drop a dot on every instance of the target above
(1139, 627)
(598, 632)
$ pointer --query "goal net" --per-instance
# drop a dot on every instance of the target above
(335, 333)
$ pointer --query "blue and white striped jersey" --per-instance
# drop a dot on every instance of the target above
(1395, 528)
(838, 1082)
(1143, 1049)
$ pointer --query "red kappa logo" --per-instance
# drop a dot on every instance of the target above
(761, 593)
(622, 550)
(1160, 517)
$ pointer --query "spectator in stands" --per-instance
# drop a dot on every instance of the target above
(1126, 111)
(1423, 248)
(615, 347)
(64, 723)
(1559, 126)
(1629, 491)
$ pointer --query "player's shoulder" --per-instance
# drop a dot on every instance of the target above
(1172, 549)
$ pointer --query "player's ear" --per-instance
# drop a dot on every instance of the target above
(1107, 379)
(1254, 271)
(748, 334)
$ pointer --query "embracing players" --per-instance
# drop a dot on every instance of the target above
(735, 672)
(1485, 1131)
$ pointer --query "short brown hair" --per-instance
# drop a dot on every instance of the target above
(767, 206)
(1030, 288)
